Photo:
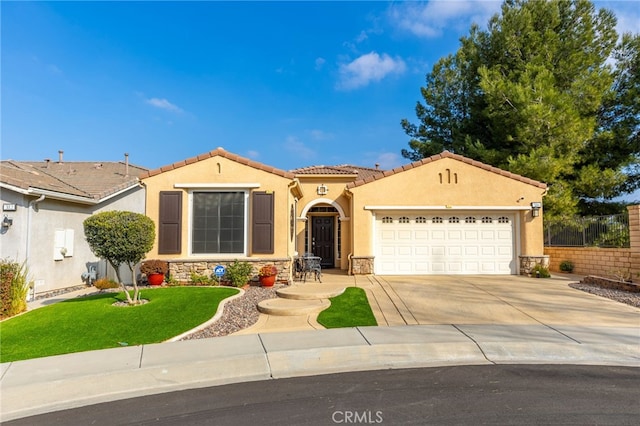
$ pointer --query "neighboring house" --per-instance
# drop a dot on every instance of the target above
(446, 214)
(44, 205)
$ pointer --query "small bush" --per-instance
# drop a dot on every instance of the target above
(105, 283)
(154, 266)
(238, 273)
(199, 279)
(14, 287)
(540, 271)
(566, 266)
(172, 281)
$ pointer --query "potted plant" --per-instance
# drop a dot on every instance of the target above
(267, 275)
(155, 270)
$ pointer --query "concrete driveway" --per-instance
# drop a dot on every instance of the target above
(497, 300)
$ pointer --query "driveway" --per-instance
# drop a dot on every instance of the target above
(500, 300)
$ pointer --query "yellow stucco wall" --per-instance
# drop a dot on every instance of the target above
(219, 170)
(335, 197)
(449, 184)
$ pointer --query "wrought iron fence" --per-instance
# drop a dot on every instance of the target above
(589, 231)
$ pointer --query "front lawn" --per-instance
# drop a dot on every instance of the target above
(92, 322)
(350, 309)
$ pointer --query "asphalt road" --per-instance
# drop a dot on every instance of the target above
(465, 395)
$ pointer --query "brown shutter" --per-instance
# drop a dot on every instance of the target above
(262, 229)
(170, 223)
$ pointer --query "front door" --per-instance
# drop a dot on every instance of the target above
(322, 239)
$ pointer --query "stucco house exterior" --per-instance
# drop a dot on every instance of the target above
(446, 214)
(44, 205)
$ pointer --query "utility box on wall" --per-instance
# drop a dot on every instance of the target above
(63, 244)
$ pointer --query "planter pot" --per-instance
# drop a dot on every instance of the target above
(155, 279)
(267, 281)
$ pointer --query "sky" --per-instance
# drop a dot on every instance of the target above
(289, 84)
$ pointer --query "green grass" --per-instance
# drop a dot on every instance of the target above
(350, 309)
(90, 323)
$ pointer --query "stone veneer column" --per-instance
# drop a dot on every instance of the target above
(634, 241)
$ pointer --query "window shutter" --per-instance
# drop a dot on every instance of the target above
(170, 223)
(262, 229)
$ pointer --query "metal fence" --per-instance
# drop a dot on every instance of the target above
(590, 231)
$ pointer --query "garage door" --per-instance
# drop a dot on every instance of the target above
(444, 243)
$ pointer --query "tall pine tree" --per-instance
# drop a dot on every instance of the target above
(536, 93)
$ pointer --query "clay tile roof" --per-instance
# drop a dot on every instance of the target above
(446, 154)
(218, 152)
(91, 180)
(339, 170)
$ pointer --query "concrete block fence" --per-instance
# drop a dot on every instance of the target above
(608, 262)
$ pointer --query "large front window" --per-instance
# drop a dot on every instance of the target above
(218, 222)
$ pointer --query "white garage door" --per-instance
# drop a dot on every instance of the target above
(444, 243)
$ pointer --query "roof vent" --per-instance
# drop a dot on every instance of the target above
(126, 164)
(60, 153)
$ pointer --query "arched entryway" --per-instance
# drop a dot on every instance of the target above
(323, 232)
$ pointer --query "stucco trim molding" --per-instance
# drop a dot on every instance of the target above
(440, 208)
(214, 185)
(329, 201)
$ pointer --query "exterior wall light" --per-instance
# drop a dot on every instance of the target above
(535, 209)
(7, 222)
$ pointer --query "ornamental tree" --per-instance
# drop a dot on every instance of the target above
(121, 237)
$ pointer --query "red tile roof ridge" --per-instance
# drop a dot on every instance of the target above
(447, 154)
(218, 152)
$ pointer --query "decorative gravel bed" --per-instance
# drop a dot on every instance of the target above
(621, 296)
(239, 313)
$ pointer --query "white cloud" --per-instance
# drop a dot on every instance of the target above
(253, 154)
(626, 12)
(319, 63)
(430, 19)
(367, 68)
(320, 135)
(163, 104)
(295, 146)
(388, 160)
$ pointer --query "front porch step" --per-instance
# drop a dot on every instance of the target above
(310, 291)
(292, 307)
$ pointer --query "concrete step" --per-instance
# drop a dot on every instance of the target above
(292, 307)
(310, 291)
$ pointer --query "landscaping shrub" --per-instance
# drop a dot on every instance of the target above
(540, 272)
(14, 288)
(566, 266)
(105, 283)
(198, 279)
(238, 273)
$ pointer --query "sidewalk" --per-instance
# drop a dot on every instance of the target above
(279, 347)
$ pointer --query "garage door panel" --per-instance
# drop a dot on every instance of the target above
(404, 251)
(421, 251)
(470, 235)
(438, 244)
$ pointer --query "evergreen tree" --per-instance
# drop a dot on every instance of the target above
(535, 93)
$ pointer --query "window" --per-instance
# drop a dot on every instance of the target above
(218, 223)
(387, 219)
(403, 219)
(436, 220)
(503, 219)
(421, 219)
(470, 219)
(487, 219)
(454, 219)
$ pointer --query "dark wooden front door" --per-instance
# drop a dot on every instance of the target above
(322, 243)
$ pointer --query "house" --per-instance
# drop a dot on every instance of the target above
(44, 205)
(446, 214)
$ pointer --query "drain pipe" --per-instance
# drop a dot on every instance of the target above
(32, 205)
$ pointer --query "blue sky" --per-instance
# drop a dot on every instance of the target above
(290, 84)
